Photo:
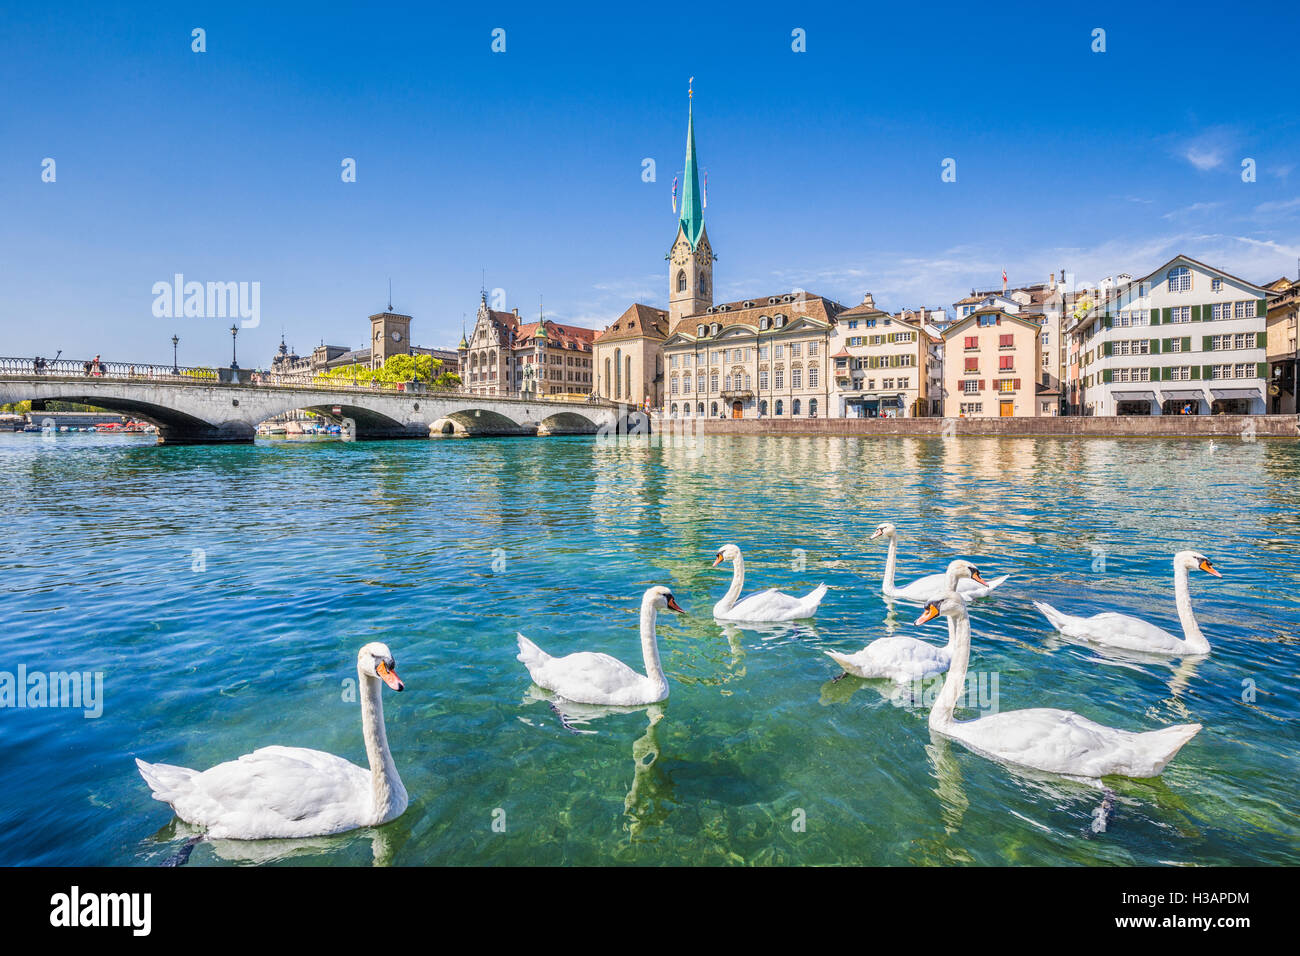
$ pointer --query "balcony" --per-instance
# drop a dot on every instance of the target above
(739, 394)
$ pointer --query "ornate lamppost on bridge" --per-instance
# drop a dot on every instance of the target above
(234, 333)
(175, 368)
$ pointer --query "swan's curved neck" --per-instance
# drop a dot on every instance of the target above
(650, 644)
(887, 586)
(959, 642)
(1196, 642)
(386, 786)
(737, 583)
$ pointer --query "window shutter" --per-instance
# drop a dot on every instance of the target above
(1261, 307)
(1187, 343)
(1167, 373)
(981, 385)
(1261, 369)
(1155, 375)
(1165, 313)
(1015, 384)
(1155, 346)
(1155, 316)
(1207, 341)
(1261, 340)
(1106, 320)
(1166, 346)
(1196, 313)
(1106, 376)
(1207, 371)
(1196, 371)
(1110, 347)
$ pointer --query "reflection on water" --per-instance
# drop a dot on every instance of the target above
(182, 572)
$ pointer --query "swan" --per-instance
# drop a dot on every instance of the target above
(590, 678)
(1134, 634)
(290, 792)
(932, 587)
(1046, 739)
(907, 659)
(766, 606)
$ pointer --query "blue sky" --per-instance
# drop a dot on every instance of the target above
(824, 166)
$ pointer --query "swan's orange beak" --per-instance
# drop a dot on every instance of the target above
(929, 614)
(388, 676)
(975, 576)
(674, 606)
(718, 559)
(1209, 568)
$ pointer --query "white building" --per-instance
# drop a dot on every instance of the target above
(1186, 339)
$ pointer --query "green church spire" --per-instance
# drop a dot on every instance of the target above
(692, 203)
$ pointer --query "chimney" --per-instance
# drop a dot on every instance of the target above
(868, 299)
(516, 312)
(1051, 281)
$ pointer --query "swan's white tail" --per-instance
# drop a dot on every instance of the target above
(814, 598)
(998, 582)
(1057, 619)
(530, 655)
(841, 659)
(167, 782)
(1163, 745)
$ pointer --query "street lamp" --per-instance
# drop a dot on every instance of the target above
(234, 333)
(175, 341)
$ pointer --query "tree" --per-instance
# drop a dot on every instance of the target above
(398, 368)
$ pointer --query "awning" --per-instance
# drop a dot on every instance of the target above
(1184, 393)
(1133, 396)
(1236, 393)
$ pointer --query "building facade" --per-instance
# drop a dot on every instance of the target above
(884, 365)
(504, 356)
(1283, 349)
(1186, 339)
(991, 363)
(629, 359)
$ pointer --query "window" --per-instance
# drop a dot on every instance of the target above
(812, 376)
(780, 351)
(794, 350)
(1006, 341)
(713, 384)
(812, 408)
(1244, 310)
(762, 352)
(780, 380)
(763, 323)
(871, 323)
(796, 378)
(1216, 285)
(1132, 375)
(681, 281)
(713, 330)
(972, 342)
(779, 406)
(887, 384)
(972, 366)
(1180, 313)
(686, 382)
(1131, 317)
(762, 407)
(699, 330)
(1173, 345)
(1006, 363)
(1181, 373)
(904, 383)
(674, 385)
(1132, 347)
(794, 407)
(970, 387)
(1006, 385)
(853, 323)
(713, 409)
(1180, 279)
(812, 349)
(762, 379)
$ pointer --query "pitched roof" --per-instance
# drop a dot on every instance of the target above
(692, 220)
(639, 321)
(747, 312)
(560, 336)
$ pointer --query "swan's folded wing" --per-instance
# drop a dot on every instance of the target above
(587, 676)
(276, 791)
(769, 605)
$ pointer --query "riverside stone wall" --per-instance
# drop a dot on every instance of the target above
(1123, 426)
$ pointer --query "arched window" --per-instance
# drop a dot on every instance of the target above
(673, 412)
(699, 409)
(608, 382)
(704, 286)
(762, 407)
(681, 281)
(763, 323)
(812, 408)
(686, 410)
(618, 373)
(780, 407)
(627, 382)
(794, 407)
(713, 409)
(699, 330)
(1180, 279)
(714, 329)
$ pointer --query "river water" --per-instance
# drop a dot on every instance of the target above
(223, 592)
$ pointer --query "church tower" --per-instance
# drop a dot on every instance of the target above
(690, 270)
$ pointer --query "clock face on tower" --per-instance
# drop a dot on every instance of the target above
(680, 252)
(397, 336)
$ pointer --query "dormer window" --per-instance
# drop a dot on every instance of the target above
(763, 323)
(699, 330)
(713, 330)
(780, 321)
(771, 300)
(749, 304)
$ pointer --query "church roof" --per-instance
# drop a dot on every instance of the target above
(639, 321)
(692, 201)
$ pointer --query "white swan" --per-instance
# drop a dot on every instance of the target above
(590, 678)
(907, 659)
(1055, 741)
(932, 587)
(288, 792)
(1134, 634)
(766, 606)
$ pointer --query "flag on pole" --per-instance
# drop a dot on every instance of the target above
(674, 195)
(1004, 278)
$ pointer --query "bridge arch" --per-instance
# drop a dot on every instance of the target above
(483, 421)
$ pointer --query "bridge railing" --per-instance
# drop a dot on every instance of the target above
(92, 370)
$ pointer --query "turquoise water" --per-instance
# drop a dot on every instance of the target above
(224, 592)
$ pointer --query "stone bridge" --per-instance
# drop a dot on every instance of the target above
(228, 405)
